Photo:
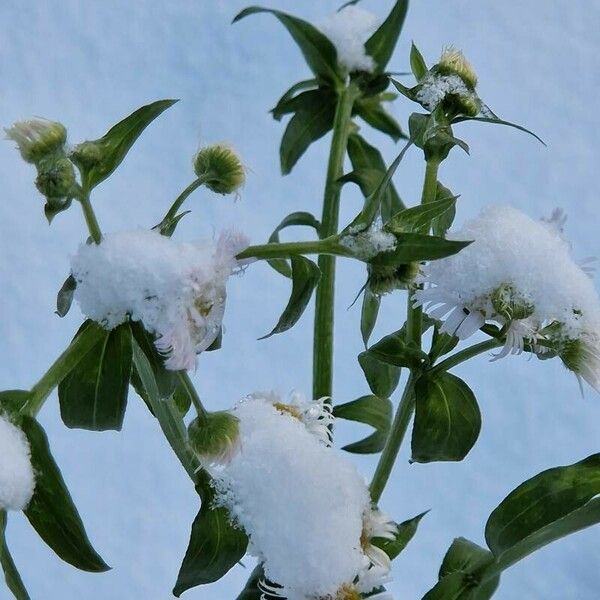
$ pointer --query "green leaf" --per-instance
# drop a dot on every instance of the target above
(417, 63)
(310, 123)
(370, 168)
(94, 394)
(251, 591)
(11, 575)
(305, 276)
(377, 117)
(497, 121)
(64, 299)
(382, 43)
(51, 510)
(404, 534)
(441, 344)
(168, 226)
(13, 400)
(447, 419)
(320, 54)
(418, 219)
(368, 314)
(373, 411)
(443, 222)
(459, 577)
(382, 378)
(283, 104)
(215, 546)
(414, 247)
(545, 508)
(115, 144)
(297, 218)
(393, 349)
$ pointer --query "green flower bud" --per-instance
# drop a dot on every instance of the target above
(221, 167)
(385, 279)
(509, 305)
(86, 155)
(37, 138)
(453, 62)
(56, 177)
(214, 437)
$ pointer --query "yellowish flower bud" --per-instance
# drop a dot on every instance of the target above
(37, 138)
(453, 62)
(214, 437)
(86, 154)
(221, 167)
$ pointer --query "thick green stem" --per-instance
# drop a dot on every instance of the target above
(172, 212)
(90, 216)
(62, 366)
(395, 439)
(465, 355)
(329, 246)
(324, 301)
(190, 390)
(430, 181)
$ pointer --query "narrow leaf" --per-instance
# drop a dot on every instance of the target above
(382, 378)
(282, 106)
(441, 344)
(368, 314)
(404, 534)
(320, 54)
(382, 43)
(215, 546)
(419, 219)
(417, 63)
(94, 394)
(377, 117)
(51, 510)
(305, 276)
(497, 121)
(11, 575)
(447, 419)
(441, 224)
(393, 349)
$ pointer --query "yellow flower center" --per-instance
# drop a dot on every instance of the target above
(287, 409)
(348, 593)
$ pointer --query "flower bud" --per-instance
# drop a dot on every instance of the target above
(221, 167)
(214, 437)
(86, 155)
(509, 305)
(56, 178)
(384, 279)
(453, 62)
(37, 138)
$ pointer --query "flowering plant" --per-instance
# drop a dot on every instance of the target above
(153, 305)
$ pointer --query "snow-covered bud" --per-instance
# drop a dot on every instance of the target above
(17, 480)
(214, 437)
(384, 279)
(221, 167)
(453, 62)
(37, 138)
(509, 305)
(56, 177)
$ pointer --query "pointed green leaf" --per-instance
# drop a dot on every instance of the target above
(382, 43)
(309, 123)
(94, 394)
(551, 505)
(441, 344)
(404, 534)
(377, 117)
(291, 101)
(447, 419)
(441, 224)
(497, 121)
(298, 218)
(11, 575)
(418, 219)
(393, 349)
(382, 378)
(373, 411)
(305, 276)
(215, 546)
(320, 54)
(368, 314)
(417, 63)
(51, 510)
(111, 149)
(64, 299)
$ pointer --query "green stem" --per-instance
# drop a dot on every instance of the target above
(62, 366)
(90, 216)
(325, 295)
(395, 439)
(465, 354)
(430, 182)
(329, 246)
(172, 212)
(190, 390)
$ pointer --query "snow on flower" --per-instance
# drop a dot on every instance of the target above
(17, 480)
(520, 274)
(176, 290)
(302, 505)
(377, 524)
(369, 243)
(348, 30)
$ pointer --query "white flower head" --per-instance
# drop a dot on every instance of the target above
(376, 524)
(37, 138)
(17, 480)
(519, 274)
(176, 290)
(348, 30)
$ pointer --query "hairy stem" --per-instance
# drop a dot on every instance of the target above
(325, 295)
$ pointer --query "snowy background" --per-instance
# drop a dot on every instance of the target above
(90, 63)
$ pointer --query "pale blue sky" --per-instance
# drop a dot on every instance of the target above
(90, 63)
